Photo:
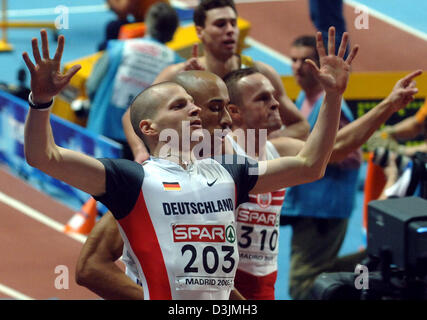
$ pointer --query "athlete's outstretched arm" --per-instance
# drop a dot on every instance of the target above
(76, 169)
(310, 163)
(97, 269)
(353, 135)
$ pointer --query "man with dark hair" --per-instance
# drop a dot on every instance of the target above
(216, 27)
(125, 69)
(199, 16)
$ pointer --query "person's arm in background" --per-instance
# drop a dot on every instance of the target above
(96, 266)
(171, 71)
(410, 127)
(353, 135)
(296, 126)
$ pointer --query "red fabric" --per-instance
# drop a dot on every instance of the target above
(255, 287)
(145, 245)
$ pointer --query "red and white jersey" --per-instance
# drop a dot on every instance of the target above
(258, 222)
(178, 225)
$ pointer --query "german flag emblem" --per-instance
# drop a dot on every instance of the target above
(171, 186)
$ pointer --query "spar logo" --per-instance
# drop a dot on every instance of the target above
(257, 217)
(203, 233)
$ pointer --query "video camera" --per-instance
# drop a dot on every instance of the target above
(397, 256)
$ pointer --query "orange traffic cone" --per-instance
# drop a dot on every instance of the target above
(83, 220)
(374, 184)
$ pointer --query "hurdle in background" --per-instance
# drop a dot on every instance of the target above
(4, 25)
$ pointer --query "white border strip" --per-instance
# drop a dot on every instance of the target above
(17, 13)
(192, 3)
(387, 19)
(13, 293)
(40, 217)
(275, 54)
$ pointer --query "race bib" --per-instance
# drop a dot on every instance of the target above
(258, 234)
(207, 256)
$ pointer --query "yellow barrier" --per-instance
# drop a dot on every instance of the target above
(4, 45)
(4, 25)
(75, 89)
(365, 85)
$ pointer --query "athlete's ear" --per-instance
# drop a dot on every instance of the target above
(148, 127)
(199, 31)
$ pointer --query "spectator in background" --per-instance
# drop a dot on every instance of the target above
(123, 9)
(326, 13)
(128, 67)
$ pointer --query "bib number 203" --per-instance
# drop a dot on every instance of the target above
(210, 259)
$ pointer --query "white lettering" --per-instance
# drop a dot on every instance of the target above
(62, 281)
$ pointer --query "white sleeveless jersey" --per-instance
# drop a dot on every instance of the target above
(178, 225)
(258, 222)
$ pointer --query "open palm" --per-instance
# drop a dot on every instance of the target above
(46, 77)
(334, 71)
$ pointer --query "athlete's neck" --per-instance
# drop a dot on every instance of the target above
(220, 66)
(184, 159)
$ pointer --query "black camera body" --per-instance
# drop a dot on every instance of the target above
(399, 225)
(397, 256)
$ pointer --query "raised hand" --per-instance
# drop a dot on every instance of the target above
(334, 71)
(193, 63)
(403, 91)
(46, 77)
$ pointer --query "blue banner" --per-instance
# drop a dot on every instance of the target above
(13, 112)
